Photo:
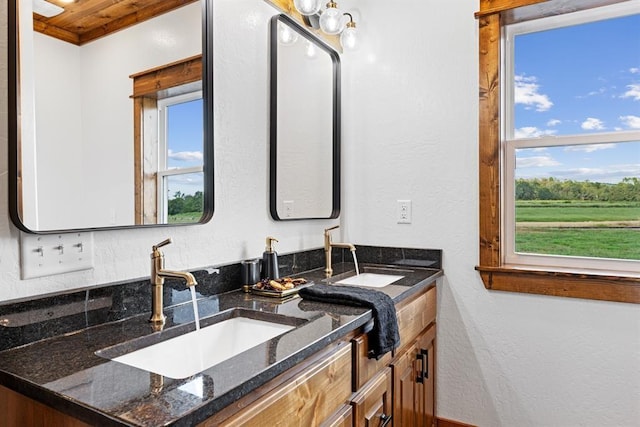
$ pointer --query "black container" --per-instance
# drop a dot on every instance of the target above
(270, 268)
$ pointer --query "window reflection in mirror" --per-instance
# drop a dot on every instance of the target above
(305, 124)
(81, 157)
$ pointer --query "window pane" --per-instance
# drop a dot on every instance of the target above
(184, 197)
(578, 79)
(184, 134)
(579, 200)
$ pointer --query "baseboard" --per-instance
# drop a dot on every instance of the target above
(443, 422)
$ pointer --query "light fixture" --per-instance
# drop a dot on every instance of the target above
(349, 37)
(286, 35)
(307, 7)
(331, 19)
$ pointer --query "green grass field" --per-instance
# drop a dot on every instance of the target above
(554, 211)
(601, 238)
(185, 218)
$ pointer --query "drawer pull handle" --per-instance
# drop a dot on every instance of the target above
(386, 419)
(420, 377)
(425, 364)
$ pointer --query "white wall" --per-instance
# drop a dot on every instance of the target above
(241, 220)
(410, 132)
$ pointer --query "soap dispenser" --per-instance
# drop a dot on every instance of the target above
(270, 268)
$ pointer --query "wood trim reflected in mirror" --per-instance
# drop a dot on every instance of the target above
(195, 68)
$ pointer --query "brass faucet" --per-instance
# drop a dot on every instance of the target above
(328, 245)
(158, 274)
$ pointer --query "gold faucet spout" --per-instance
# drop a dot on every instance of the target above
(328, 245)
(185, 275)
(158, 274)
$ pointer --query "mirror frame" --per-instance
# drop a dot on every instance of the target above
(273, 122)
(14, 158)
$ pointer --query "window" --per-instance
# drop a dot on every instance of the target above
(180, 179)
(168, 143)
(571, 133)
(527, 119)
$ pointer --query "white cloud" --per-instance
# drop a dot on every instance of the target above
(632, 92)
(527, 93)
(592, 124)
(590, 148)
(536, 162)
(532, 132)
(634, 70)
(612, 174)
(632, 122)
(185, 156)
(554, 122)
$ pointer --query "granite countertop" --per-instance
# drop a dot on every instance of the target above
(64, 371)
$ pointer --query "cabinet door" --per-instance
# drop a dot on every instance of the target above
(404, 389)
(372, 405)
(425, 378)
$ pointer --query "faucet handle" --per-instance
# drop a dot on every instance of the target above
(161, 244)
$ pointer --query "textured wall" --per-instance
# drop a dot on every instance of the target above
(410, 132)
(241, 220)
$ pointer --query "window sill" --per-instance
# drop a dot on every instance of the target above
(563, 283)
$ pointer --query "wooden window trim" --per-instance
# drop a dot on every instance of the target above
(494, 273)
(148, 86)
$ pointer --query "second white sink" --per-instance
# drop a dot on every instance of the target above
(371, 280)
(196, 351)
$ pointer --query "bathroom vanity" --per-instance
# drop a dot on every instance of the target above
(316, 373)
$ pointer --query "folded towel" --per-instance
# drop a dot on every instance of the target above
(384, 336)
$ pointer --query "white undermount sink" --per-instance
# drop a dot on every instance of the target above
(370, 280)
(193, 352)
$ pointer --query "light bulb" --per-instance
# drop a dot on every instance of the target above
(286, 35)
(307, 7)
(311, 50)
(331, 19)
(349, 37)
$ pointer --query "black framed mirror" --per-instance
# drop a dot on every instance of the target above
(110, 114)
(304, 124)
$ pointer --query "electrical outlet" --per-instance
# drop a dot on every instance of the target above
(404, 212)
(49, 254)
(288, 208)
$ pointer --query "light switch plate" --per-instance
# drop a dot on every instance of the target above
(49, 254)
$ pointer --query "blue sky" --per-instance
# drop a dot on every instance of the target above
(185, 133)
(577, 80)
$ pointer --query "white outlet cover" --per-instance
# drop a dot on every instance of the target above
(48, 254)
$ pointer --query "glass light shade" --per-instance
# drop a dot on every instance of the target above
(307, 7)
(349, 38)
(331, 20)
(286, 35)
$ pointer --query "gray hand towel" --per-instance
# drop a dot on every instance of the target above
(384, 336)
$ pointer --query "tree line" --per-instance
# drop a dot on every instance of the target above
(186, 203)
(627, 190)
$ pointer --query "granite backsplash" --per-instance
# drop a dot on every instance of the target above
(23, 322)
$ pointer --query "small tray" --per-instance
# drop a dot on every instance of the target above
(279, 294)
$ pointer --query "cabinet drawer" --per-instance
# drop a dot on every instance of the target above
(416, 315)
(372, 405)
(343, 417)
(363, 367)
(307, 400)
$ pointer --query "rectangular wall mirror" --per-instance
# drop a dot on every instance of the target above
(110, 121)
(304, 124)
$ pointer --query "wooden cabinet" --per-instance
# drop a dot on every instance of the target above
(373, 404)
(307, 399)
(414, 382)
